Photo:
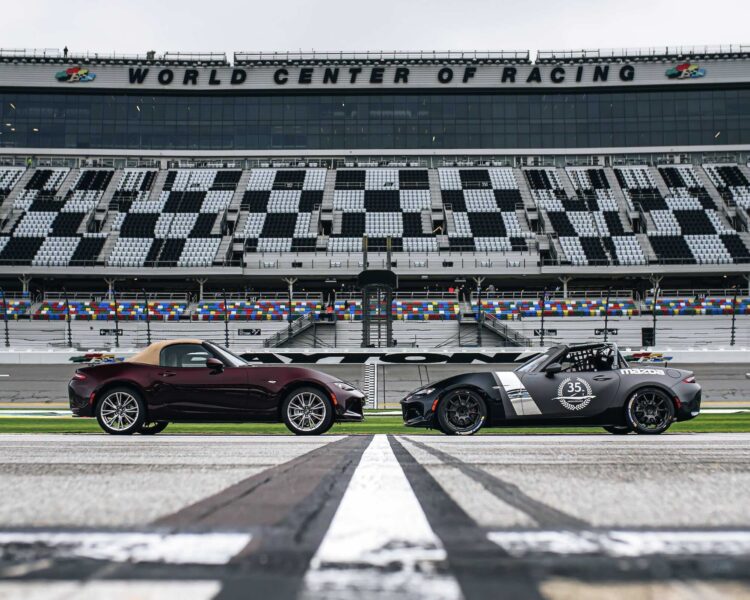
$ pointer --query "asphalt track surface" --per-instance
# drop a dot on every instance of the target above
(553, 517)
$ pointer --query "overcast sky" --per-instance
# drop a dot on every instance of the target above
(198, 25)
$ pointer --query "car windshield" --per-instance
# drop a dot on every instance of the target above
(533, 363)
(227, 356)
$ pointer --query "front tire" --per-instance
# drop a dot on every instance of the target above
(649, 411)
(461, 412)
(307, 411)
(121, 411)
(617, 429)
(153, 427)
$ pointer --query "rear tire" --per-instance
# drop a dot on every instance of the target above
(153, 427)
(461, 412)
(649, 411)
(121, 411)
(307, 411)
(617, 429)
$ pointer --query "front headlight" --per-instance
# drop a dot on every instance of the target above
(424, 391)
(345, 386)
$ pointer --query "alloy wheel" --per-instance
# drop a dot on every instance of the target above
(651, 410)
(119, 411)
(307, 411)
(462, 410)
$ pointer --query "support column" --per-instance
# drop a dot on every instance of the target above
(110, 281)
(201, 282)
(25, 281)
(290, 281)
(565, 279)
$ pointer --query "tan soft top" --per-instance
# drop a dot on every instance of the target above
(150, 355)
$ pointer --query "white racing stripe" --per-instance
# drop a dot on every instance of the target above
(519, 396)
(621, 543)
(379, 543)
(179, 548)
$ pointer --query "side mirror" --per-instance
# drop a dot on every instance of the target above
(215, 364)
(552, 368)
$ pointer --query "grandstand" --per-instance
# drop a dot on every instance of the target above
(486, 181)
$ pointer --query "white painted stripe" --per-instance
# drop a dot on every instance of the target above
(379, 543)
(519, 396)
(618, 543)
(179, 548)
(110, 589)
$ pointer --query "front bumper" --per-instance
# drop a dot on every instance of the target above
(417, 410)
(350, 407)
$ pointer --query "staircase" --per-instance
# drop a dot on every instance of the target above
(109, 192)
(314, 229)
(337, 222)
(158, 185)
(729, 211)
(223, 250)
(109, 244)
(523, 186)
(745, 171)
(648, 251)
(660, 184)
(239, 193)
(436, 197)
(427, 222)
(622, 202)
(7, 205)
(510, 336)
(328, 190)
(450, 222)
(67, 184)
(567, 184)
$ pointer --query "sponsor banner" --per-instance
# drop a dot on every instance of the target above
(394, 76)
(394, 358)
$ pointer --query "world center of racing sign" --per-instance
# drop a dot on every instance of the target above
(371, 77)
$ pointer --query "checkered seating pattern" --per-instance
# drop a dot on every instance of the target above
(693, 216)
(91, 310)
(47, 232)
(483, 202)
(9, 177)
(175, 229)
(593, 307)
(712, 306)
(731, 183)
(382, 203)
(576, 228)
(596, 198)
(15, 307)
(134, 187)
(280, 205)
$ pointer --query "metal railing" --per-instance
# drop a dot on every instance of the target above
(383, 55)
(495, 324)
(642, 53)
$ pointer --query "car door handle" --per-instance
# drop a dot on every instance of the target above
(168, 374)
(601, 378)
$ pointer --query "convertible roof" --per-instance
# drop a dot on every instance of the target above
(150, 355)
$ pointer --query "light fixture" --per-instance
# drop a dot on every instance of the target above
(8, 124)
(13, 106)
(35, 130)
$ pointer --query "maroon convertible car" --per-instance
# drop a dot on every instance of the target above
(196, 381)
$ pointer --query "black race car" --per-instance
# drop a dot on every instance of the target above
(571, 385)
